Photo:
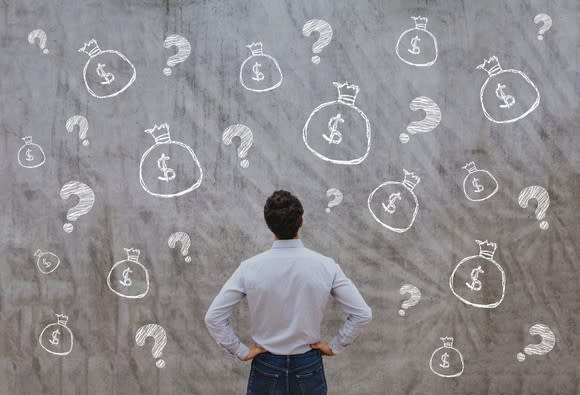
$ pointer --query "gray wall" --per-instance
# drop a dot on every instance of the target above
(38, 93)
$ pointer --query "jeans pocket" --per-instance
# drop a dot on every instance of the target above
(312, 381)
(262, 382)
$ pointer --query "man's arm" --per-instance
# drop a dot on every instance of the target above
(217, 318)
(353, 305)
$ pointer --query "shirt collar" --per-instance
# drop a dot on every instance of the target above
(292, 243)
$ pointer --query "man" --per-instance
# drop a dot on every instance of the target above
(287, 288)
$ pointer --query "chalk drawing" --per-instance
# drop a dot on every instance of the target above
(30, 155)
(545, 346)
(338, 131)
(335, 201)
(498, 93)
(86, 198)
(426, 125)
(246, 138)
(478, 185)
(159, 337)
(184, 240)
(412, 301)
(542, 197)
(183, 51)
(46, 261)
(546, 22)
(394, 204)
(260, 72)
(82, 123)
(41, 36)
(57, 338)
(129, 278)
(447, 361)
(325, 35)
(417, 46)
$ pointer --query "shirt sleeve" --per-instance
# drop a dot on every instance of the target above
(217, 318)
(359, 314)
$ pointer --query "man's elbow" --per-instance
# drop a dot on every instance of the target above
(366, 315)
(210, 319)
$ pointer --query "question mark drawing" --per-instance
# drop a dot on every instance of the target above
(541, 195)
(82, 123)
(41, 36)
(412, 301)
(183, 51)
(336, 200)
(546, 21)
(325, 35)
(432, 118)
(86, 200)
(544, 347)
(245, 135)
(159, 336)
(185, 241)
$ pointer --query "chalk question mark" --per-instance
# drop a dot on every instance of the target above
(86, 200)
(82, 123)
(541, 195)
(185, 241)
(325, 35)
(334, 201)
(41, 36)
(412, 301)
(159, 336)
(432, 118)
(246, 138)
(544, 347)
(546, 21)
(183, 51)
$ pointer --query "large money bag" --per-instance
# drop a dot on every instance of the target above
(394, 205)
(129, 278)
(46, 261)
(478, 280)
(478, 184)
(338, 131)
(30, 155)
(169, 168)
(106, 73)
(260, 72)
(417, 46)
(446, 361)
(506, 95)
(57, 338)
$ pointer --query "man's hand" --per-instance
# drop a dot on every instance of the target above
(323, 347)
(254, 350)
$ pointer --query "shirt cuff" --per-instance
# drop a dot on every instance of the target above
(242, 352)
(335, 345)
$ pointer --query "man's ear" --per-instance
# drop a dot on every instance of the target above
(301, 221)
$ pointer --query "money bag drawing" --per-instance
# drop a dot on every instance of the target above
(46, 261)
(168, 168)
(394, 205)
(417, 46)
(338, 131)
(446, 361)
(478, 280)
(57, 338)
(478, 185)
(30, 155)
(507, 95)
(106, 73)
(129, 278)
(260, 72)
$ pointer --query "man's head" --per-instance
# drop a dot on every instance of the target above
(283, 214)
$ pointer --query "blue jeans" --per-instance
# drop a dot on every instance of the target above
(298, 374)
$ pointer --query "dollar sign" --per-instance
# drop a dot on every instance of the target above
(109, 77)
(55, 335)
(335, 136)
(46, 263)
(508, 100)
(390, 208)
(258, 75)
(415, 50)
(166, 170)
(475, 283)
(29, 156)
(478, 187)
(126, 280)
(444, 361)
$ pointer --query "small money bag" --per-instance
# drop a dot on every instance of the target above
(506, 95)
(57, 338)
(417, 46)
(394, 205)
(446, 361)
(260, 72)
(168, 168)
(478, 184)
(478, 280)
(30, 155)
(106, 73)
(46, 261)
(338, 131)
(129, 278)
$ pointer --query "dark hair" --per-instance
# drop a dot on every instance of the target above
(283, 214)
